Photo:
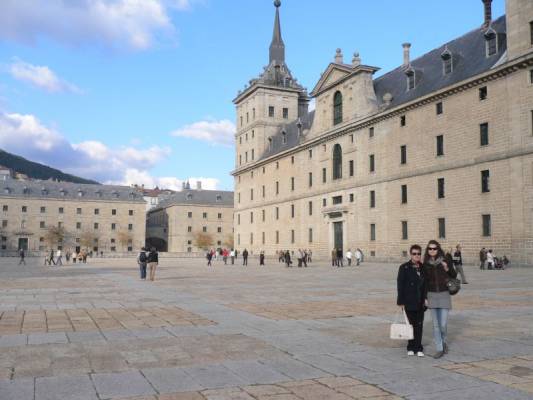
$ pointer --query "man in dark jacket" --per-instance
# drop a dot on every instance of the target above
(482, 258)
(245, 257)
(412, 293)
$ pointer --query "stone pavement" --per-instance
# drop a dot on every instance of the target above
(96, 331)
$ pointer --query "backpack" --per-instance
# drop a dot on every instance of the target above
(142, 257)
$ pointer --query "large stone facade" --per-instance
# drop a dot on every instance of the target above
(450, 137)
(109, 219)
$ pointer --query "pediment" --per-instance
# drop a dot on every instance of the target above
(333, 74)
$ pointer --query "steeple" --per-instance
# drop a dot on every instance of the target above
(277, 47)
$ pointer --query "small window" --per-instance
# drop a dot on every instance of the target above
(95, 225)
(263, 215)
(271, 111)
(238, 197)
(24, 209)
(372, 199)
(96, 211)
(238, 219)
(277, 212)
(292, 210)
(372, 163)
(204, 229)
(310, 207)
(484, 134)
(262, 237)
(189, 214)
(403, 120)
(292, 236)
(483, 92)
(440, 188)
(61, 210)
(113, 212)
(130, 227)
(440, 145)
(337, 200)
(263, 191)
(42, 225)
(218, 197)
(277, 187)
(372, 232)
(410, 80)
(310, 181)
(43, 210)
(531, 33)
(277, 237)
(531, 76)
(285, 113)
(485, 178)
(337, 161)
(247, 117)
(486, 225)
(251, 194)
(5, 207)
(371, 132)
(405, 234)
(4, 223)
(351, 169)
(324, 175)
(310, 235)
(403, 154)
(439, 108)
(284, 137)
(78, 225)
(219, 229)
(310, 154)
(189, 229)
(404, 194)
(351, 138)
(113, 226)
(337, 108)
(78, 210)
(442, 228)
(324, 202)
(251, 217)
(219, 215)
(351, 198)
(491, 43)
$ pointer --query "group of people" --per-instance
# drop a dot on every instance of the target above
(337, 258)
(56, 257)
(422, 284)
(148, 259)
(304, 256)
(487, 260)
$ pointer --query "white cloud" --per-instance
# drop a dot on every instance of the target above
(133, 24)
(213, 132)
(134, 176)
(41, 77)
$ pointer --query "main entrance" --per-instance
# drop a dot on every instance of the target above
(23, 244)
(337, 235)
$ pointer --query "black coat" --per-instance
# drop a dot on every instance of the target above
(412, 288)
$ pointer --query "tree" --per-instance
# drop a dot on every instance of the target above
(55, 235)
(125, 238)
(229, 241)
(87, 239)
(203, 240)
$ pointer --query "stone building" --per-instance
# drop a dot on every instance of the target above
(39, 215)
(440, 147)
(174, 225)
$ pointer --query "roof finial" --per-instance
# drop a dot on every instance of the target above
(277, 3)
(277, 47)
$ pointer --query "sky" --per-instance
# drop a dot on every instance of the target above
(140, 91)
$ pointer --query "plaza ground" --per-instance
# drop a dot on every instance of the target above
(96, 331)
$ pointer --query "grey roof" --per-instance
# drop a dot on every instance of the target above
(468, 52)
(196, 197)
(67, 191)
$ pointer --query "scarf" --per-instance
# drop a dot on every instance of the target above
(435, 262)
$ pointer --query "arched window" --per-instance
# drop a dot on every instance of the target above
(337, 108)
(337, 161)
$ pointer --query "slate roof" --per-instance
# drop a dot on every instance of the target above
(468, 52)
(196, 197)
(67, 191)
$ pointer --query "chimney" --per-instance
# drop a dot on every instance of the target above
(339, 57)
(198, 185)
(406, 54)
(488, 12)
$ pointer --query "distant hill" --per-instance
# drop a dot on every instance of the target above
(37, 171)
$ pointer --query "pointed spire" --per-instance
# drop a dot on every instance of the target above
(277, 47)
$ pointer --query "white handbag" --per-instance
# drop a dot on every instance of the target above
(401, 331)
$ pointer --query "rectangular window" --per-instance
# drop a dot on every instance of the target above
(372, 232)
(337, 200)
(251, 217)
(442, 228)
(5, 207)
(405, 234)
(439, 108)
(271, 111)
(263, 191)
(4, 223)
(483, 93)
(403, 154)
(78, 225)
(350, 167)
(351, 138)
(371, 132)
(204, 229)
(485, 177)
(130, 227)
(189, 229)
(484, 134)
(372, 199)
(253, 113)
(61, 210)
(292, 210)
(310, 154)
(402, 120)
(42, 225)
(43, 210)
(310, 235)
(292, 184)
(440, 188)
(263, 237)
(292, 235)
(247, 117)
(113, 212)
(310, 179)
(404, 194)
(113, 226)
(219, 215)
(78, 210)
(204, 215)
(440, 145)
(238, 219)
(285, 113)
(277, 187)
(372, 163)
(189, 214)
(324, 202)
(60, 224)
(253, 154)
(238, 197)
(324, 176)
(310, 207)
(219, 229)
(97, 211)
(263, 215)
(95, 225)
(251, 194)
(531, 33)
(277, 237)
(24, 209)
(487, 229)
(277, 212)
(531, 76)
(351, 198)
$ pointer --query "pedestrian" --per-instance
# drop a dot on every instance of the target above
(334, 257)
(309, 256)
(22, 256)
(287, 258)
(84, 256)
(303, 254)
(74, 257)
(358, 256)
(349, 257)
(505, 261)
(51, 257)
(262, 258)
(225, 256)
(59, 257)
(437, 272)
(209, 257)
(153, 261)
(412, 295)
(482, 258)
(340, 259)
(67, 256)
(300, 255)
(458, 263)
(490, 260)
(141, 260)
(232, 256)
(245, 257)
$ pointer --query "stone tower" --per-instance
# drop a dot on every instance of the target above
(519, 15)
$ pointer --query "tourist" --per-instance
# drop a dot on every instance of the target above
(22, 256)
(412, 298)
(153, 261)
(309, 256)
(349, 257)
(141, 260)
(67, 256)
(84, 256)
(262, 258)
(51, 257)
(209, 257)
(358, 256)
(458, 263)
(59, 259)
(303, 254)
(437, 272)
(287, 258)
(490, 260)
(245, 257)
(225, 256)
(300, 255)
(281, 256)
(505, 261)
(482, 258)
(232, 256)
(333, 257)
(340, 259)
(74, 257)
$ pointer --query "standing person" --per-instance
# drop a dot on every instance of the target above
(262, 258)
(74, 257)
(349, 257)
(300, 255)
(309, 256)
(59, 259)
(412, 298)
(22, 256)
(209, 256)
(437, 272)
(225, 256)
(51, 257)
(232, 256)
(334, 257)
(153, 261)
(458, 263)
(340, 259)
(490, 260)
(482, 258)
(67, 256)
(141, 260)
(304, 258)
(287, 258)
(84, 256)
(358, 256)
(245, 257)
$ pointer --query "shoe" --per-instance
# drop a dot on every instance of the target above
(410, 353)
(445, 348)
(420, 354)
(438, 355)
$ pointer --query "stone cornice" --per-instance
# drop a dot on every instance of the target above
(251, 89)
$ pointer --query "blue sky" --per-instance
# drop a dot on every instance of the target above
(98, 87)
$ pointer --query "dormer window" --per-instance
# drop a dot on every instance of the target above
(132, 195)
(44, 191)
(7, 190)
(447, 61)
(115, 194)
(284, 137)
(491, 42)
(337, 108)
(80, 193)
(98, 193)
(189, 196)
(410, 74)
(62, 191)
(26, 190)
(219, 197)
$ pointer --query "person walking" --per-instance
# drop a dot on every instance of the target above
(482, 258)
(300, 255)
(287, 258)
(153, 262)
(141, 260)
(349, 257)
(245, 257)
(74, 257)
(59, 257)
(340, 259)
(22, 256)
(51, 257)
(490, 260)
(232, 256)
(334, 257)
(225, 254)
(412, 295)
(262, 258)
(458, 263)
(209, 256)
(358, 256)
(304, 257)
(437, 272)
(309, 256)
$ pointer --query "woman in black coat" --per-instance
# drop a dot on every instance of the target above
(412, 295)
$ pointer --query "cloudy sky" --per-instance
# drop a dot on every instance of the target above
(139, 91)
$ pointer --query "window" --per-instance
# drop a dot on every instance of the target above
(372, 164)
(324, 176)
(240, 159)
(61, 210)
(402, 120)
(42, 225)
(337, 161)
(284, 137)
(350, 166)
(292, 235)
(337, 200)
(310, 238)
(371, 132)
(277, 237)
(531, 76)
(405, 234)
(78, 225)
(240, 139)
(189, 214)
(4, 223)
(43, 210)
(403, 154)
(442, 228)
(404, 194)
(440, 145)
(531, 33)
(324, 202)
(263, 215)
(310, 207)
(204, 215)
(491, 43)
(253, 113)
(130, 212)
(95, 225)
(351, 138)
(219, 229)
(310, 179)
(263, 237)
(130, 227)
(60, 224)
(484, 134)
(310, 154)
(189, 229)
(271, 111)
(219, 216)
(238, 219)
(447, 62)
(263, 191)
(113, 226)
(247, 117)
(113, 212)
(292, 183)
(485, 176)
(372, 232)
(483, 93)
(78, 210)
(440, 188)
(487, 231)
(24, 209)
(5, 207)
(253, 154)
(277, 212)
(251, 217)
(251, 194)
(97, 211)
(372, 199)
(245, 156)
(351, 198)
(285, 113)
(241, 120)
(439, 108)
(277, 187)
(277, 164)
(410, 79)
(238, 197)
(337, 108)
(292, 210)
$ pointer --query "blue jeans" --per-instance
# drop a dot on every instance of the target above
(440, 326)
(142, 266)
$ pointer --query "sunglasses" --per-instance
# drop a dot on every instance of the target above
(433, 248)
(416, 254)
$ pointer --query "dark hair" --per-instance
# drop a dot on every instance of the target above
(440, 253)
(415, 247)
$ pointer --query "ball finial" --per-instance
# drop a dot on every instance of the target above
(277, 3)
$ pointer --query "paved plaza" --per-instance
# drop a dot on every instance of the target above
(96, 331)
